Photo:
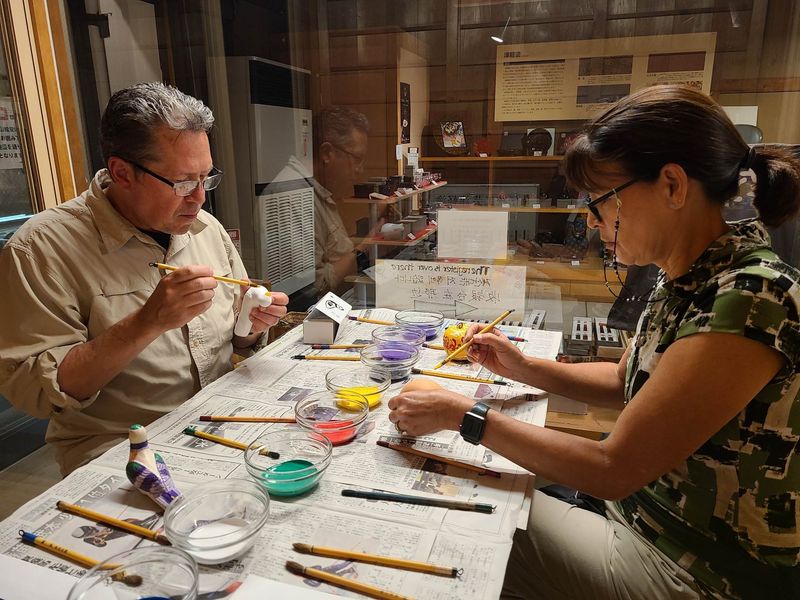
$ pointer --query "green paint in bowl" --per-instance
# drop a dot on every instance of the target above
(291, 478)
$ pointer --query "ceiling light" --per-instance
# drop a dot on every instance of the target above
(499, 38)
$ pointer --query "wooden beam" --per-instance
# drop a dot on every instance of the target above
(757, 85)
(69, 101)
(323, 96)
(166, 59)
(384, 29)
(452, 47)
(755, 39)
(600, 25)
(54, 88)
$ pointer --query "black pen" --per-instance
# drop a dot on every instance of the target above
(423, 500)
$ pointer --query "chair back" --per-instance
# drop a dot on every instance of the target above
(750, 133)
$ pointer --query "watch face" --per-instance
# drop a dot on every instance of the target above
(472, 427)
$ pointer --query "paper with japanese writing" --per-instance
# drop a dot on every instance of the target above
(457, 290)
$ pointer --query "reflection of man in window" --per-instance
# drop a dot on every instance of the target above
(342, 149)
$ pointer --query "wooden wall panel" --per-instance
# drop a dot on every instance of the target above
(752, 41)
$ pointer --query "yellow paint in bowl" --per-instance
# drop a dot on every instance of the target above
(370, 392)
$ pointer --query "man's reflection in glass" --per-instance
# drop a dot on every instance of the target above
(341, 138)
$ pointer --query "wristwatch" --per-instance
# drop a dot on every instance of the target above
(474, 423)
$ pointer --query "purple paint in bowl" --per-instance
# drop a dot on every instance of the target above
(394, 334)
(396, 358)
(428, 322)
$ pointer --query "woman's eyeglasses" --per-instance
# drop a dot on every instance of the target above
(185, 188)
(592, 206)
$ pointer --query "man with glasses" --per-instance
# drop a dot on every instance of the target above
(93, 337)
(341, 152)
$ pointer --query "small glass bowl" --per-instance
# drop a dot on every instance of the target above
(429, 322)
(396, 358)
(217, 521)
(398, 334)
(304, 456)
(338, 419)
(148, 572)
(364, 381)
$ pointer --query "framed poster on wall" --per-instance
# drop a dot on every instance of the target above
(576, 79)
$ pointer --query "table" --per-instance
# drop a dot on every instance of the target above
(268, 384)
(592, 425)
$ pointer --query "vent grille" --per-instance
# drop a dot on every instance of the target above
(287, 234)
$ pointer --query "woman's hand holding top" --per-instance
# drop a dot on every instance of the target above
(495, 351)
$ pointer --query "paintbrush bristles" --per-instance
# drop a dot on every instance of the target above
(295, 567)
(129, 580)
(304, 548)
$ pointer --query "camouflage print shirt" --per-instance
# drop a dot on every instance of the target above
(729, 514)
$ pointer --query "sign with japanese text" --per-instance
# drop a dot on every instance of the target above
(457, 290)
(10, 149)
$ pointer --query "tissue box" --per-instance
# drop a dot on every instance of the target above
(324, 319)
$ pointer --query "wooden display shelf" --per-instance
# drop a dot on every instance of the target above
(490, 158)
(520, 209)
(452, 167)
(381, 242)
(394, 198)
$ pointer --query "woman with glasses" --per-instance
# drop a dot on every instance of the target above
(91, 336)
(700, 475)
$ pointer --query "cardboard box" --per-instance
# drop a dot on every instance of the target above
(324, 320)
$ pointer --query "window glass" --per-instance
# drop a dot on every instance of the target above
(357, 135)
(15, 198)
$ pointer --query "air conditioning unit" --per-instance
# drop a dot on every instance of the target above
(271, 121)
(286, 244)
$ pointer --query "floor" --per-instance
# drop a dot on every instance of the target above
(27, 478)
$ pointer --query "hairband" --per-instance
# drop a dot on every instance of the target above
(748, 159)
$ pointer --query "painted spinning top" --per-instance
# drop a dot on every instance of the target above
(147, 471)
(453, 338)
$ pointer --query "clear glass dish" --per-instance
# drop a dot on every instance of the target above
(398, 334)
(303, 458)
(397, 359)
(338, 419)
(217, 521)
(368, 382)
(429, 322)
(148, 572)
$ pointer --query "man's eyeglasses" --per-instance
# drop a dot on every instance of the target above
(592, 206)
(185, 188)
(359, 160)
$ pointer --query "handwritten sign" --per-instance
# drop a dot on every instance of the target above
(473, 234)
(10, 151)
(457, 290)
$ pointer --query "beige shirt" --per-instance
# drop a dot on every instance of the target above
(71, 272)
(331, 241)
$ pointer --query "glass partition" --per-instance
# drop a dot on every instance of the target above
(16, 204)
(359, 138)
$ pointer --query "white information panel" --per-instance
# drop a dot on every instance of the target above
(472, 234)
(457, 290)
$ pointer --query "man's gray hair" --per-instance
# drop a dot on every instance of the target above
(133, 116)
(335, 124)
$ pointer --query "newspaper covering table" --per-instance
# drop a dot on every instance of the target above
(269, 384)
